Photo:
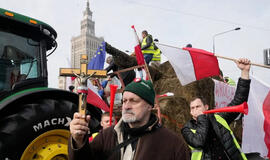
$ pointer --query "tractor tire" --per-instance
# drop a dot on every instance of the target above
(36, 129)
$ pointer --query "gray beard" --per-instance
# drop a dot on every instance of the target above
(128, 119)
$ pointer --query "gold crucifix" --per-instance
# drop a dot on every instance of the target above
(83, 74)
(83, 69)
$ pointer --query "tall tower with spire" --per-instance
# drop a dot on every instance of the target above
(86, 42)
(87, 25)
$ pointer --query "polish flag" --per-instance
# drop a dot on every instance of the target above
(94, 98)
(256, 126)
(190, 64)
(138, 51)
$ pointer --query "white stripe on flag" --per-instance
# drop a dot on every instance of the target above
(181, 62)
(91, 86)
(253, 126)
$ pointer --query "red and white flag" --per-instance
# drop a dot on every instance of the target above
(94, 98)
(190, 64)
(137, 49)
(256, 128)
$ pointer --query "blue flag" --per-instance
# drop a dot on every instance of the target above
(97, 62)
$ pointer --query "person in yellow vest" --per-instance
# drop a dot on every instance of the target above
(147, 46)
(157, 55)
(209, 135)
(229, 81)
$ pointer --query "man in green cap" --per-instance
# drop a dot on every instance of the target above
(137, 135)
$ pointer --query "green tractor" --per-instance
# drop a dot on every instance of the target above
(34, 119)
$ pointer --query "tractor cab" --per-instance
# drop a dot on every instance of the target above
(24, 42)
(34, 119)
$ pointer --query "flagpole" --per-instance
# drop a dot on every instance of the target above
(145, 65)
(233, 59)
(223, 57)
(150, 78)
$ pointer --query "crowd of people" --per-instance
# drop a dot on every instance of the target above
(139, 135)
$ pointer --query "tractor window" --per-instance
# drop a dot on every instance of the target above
(18, 59)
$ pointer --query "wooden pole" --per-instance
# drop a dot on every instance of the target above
(232, 59)
(147, 72)
(127, 69)
(150, 78)
(145, 65)
(82, 104)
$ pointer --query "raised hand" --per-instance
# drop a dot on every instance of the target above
(79, 128)
(244, 65)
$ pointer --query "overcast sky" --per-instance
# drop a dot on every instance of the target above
(173, 22)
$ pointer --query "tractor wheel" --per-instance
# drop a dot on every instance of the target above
(36, 130)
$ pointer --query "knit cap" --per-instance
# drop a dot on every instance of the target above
(143, 89)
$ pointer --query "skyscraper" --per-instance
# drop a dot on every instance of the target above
(86, 42)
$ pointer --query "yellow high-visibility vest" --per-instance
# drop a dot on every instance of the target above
(225, 124)
(149, 50)
(197, 153)
(156, 56)
(231, 82)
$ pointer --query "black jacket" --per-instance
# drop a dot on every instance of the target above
(214, 139)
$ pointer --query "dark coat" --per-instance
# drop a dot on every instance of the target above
(157, 144)
(210, 135)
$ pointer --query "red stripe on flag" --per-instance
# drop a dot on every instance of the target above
(266, 125)
(205, 63)
(95, 100)
(139, 55)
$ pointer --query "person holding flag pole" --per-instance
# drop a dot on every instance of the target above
(140, 57)
(147, 46)
(191, 64)
(209, 136)
(141, 61)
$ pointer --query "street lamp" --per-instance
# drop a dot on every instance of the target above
(235, 29)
